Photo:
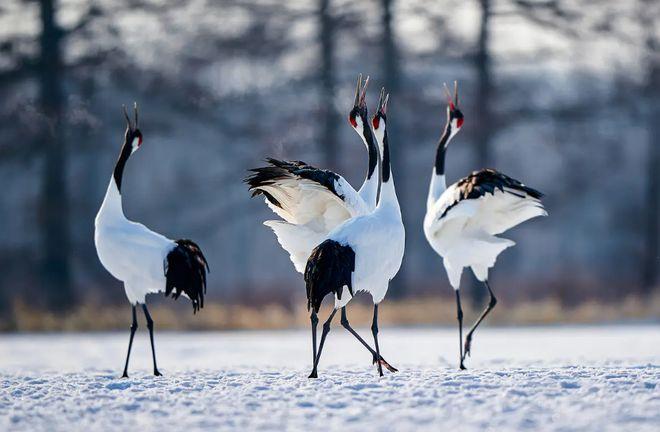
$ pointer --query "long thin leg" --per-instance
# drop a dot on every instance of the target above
(374, 331)
(326, 330)
(347, 326)
(491, 304)
(459, 315)
(150, 326)
(134, 327)
(315, 320)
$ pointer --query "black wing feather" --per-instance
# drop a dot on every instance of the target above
(487, 181)
(279, 170)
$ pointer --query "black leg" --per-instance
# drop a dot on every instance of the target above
(347, 326)
(326, 330)
(150, 326)
(315, 320)
(459, 315)
(491, 304)
(374, 331)
(130, 342)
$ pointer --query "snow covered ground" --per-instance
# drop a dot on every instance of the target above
(598, 378)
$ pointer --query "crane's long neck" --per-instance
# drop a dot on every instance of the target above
(369, 189)
(438, 181)
(388, 198)
(112, 203)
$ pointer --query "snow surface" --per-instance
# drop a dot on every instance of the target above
(544, 378)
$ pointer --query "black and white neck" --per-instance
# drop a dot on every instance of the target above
(438, 180)
(369, 189)
(387, 199)
(132, 141)
(454, 123)
(112, 205)
(371, 148)
(359, 120)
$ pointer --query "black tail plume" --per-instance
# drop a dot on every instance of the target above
(329, 268)
(185, 272)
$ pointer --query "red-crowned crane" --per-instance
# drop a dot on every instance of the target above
(145, 261)
(463, 220)
(362, 254)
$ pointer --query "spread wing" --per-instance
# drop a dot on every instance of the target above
(304, 195)
(311, 201)
(486, 200)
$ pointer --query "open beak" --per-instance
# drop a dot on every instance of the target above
(357, 91)
(382, 108)
(128, 119)
(452, 100)
(135, 111)
(382, 101)
(131, 126)
(361, 93)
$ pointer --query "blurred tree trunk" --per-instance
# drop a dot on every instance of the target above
(92, 185)
(391, 69)
(652, 228)
(484, 87)
(484, 130)
(54, 205)
(330, 120)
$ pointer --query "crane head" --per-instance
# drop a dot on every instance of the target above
(454, 114)
(133, 135)
(358, 115)
(380, 118)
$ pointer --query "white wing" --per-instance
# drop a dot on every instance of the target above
(297, 240)
(311, 201)
(448, 208)
(485, 201)
(132, 252)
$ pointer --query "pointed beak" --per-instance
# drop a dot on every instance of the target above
(128, 119)
(382, 101)
(135, 111)
(357, 91)
(381, 97)
(382, 108)
(447, 94)
(452, 100)
(363, 93)
(386, 99)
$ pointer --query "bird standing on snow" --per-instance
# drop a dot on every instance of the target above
(145, 261)
(313, 202)
(463, 220)
(362, 254)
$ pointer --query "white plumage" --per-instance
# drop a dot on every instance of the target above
(312, 202)
(145, 261)
(362, 254)
(377, 238)
(130, 251)
(463, 221)
(378, 242)
(464, 230)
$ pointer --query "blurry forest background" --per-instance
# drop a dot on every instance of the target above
(562, 94)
